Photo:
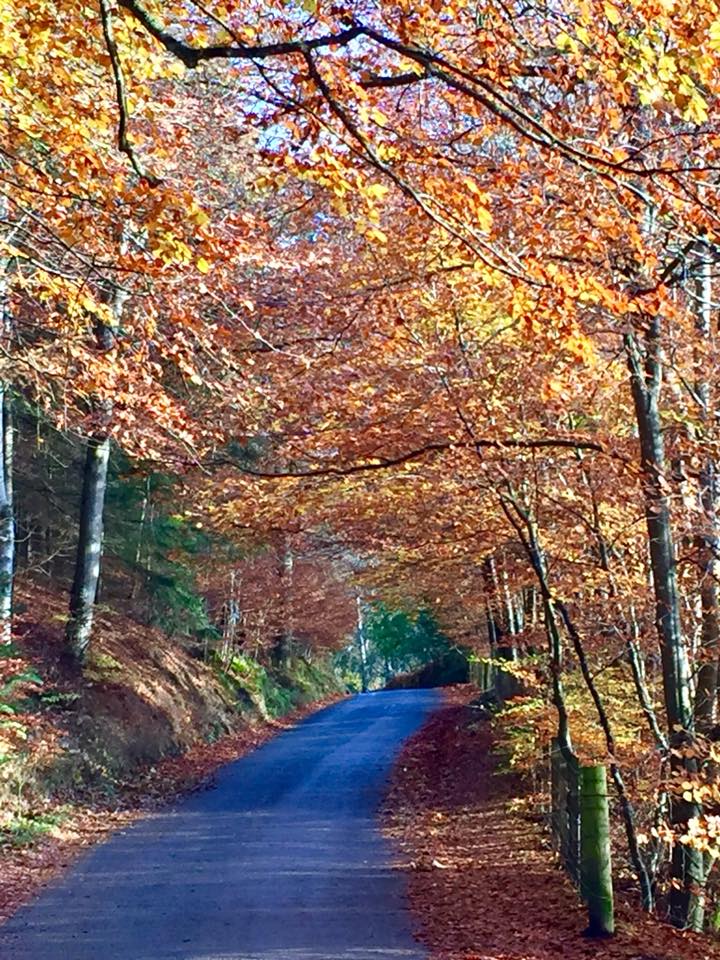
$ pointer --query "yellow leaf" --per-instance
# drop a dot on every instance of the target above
(483, 219)
(376, 190)
(565, 43)
(203, 265)
(612, 13)
(696, 110)
(714, 35)
(375, 233)
(583, 36)
(199, 217)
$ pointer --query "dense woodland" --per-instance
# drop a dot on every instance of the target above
(315, 311)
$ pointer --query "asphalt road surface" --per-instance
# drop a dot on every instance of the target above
(280, 860)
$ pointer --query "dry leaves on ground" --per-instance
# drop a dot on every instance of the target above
(482, 881)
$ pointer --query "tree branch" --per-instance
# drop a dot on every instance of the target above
(192, 56)
(384, 463)
(124, 144)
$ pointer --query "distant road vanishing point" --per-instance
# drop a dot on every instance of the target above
(280, 860)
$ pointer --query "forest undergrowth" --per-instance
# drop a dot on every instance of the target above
(483, 881)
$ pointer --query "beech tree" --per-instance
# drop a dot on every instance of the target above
(431, 283)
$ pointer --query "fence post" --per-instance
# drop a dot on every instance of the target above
(556, 788)
(573, 812)
(596, 868)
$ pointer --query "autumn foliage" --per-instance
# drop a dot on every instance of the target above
(416, 301)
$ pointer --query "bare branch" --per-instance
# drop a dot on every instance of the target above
(124, 144)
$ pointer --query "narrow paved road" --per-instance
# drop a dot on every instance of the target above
(281, 860)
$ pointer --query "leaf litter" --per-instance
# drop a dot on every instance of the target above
(482, 880)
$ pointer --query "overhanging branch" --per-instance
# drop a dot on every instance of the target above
(385, 463)
(192, 56)
(124, 144)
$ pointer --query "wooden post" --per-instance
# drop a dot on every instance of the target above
(596, 872)
(573, 854)
(556, 788)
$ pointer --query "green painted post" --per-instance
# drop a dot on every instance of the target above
(596, 866)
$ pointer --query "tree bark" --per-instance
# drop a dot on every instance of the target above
(7, 519)
(89, 552)
(283, 640)
(138, 573)
(708, 542)
(362, 644)
(687, 869)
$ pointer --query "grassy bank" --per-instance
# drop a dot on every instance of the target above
(73, 739)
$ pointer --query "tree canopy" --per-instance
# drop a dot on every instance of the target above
(417, 303)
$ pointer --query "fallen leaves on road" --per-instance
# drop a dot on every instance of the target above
(482, 881)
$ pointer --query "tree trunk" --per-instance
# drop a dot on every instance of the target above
(283, 640)
(706, 686)
(89, 552)
(7, 522)
(362, 644)
(7, 519)
(138, 574)
(687, 871)
(709, 541)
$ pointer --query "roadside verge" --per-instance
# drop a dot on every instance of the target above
(25, 870)
(482, 880)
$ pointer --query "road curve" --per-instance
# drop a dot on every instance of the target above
(280, 860)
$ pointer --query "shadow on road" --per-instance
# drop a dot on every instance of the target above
(281, 860)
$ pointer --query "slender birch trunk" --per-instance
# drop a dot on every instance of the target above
(706, 686)
(137, 573)
(7, 520)
(89, 552)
